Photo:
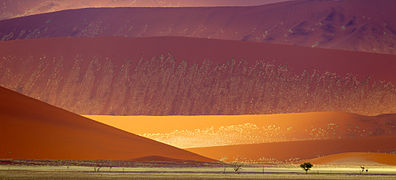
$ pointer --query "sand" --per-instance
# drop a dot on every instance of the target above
(216, 130)
(31, 129)
(169, 76)
(326, 24)
(357, 158)
(13, 9)
(299, 150)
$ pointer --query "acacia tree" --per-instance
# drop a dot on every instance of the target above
(306, 166)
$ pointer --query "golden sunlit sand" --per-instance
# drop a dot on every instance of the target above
(218, 130)
(297, 151)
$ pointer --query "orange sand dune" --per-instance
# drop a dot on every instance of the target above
(30, 129)
(357, 158)
(298, 150)
(203, 131)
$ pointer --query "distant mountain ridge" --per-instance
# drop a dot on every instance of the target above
(357, 25)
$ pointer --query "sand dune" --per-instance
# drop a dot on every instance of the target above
(356, 158)
(299, 150)
(17, 8)
(34, 130)
(203, 131)
(191, 76)
(346, 24)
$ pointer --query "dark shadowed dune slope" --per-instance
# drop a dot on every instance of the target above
(33, 130)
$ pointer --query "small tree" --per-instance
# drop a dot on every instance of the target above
(306, 166)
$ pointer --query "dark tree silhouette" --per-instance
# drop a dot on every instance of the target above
(306, 166)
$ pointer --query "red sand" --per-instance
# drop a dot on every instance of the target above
(298, 150)
(298, 59)
(100, 76)
(31, 129)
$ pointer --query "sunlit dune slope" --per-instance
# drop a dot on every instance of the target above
(192, 76)
(17, 8)
(357, 25)
(201, 131)
(30, 129)
(298, 150)
(357, 158)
